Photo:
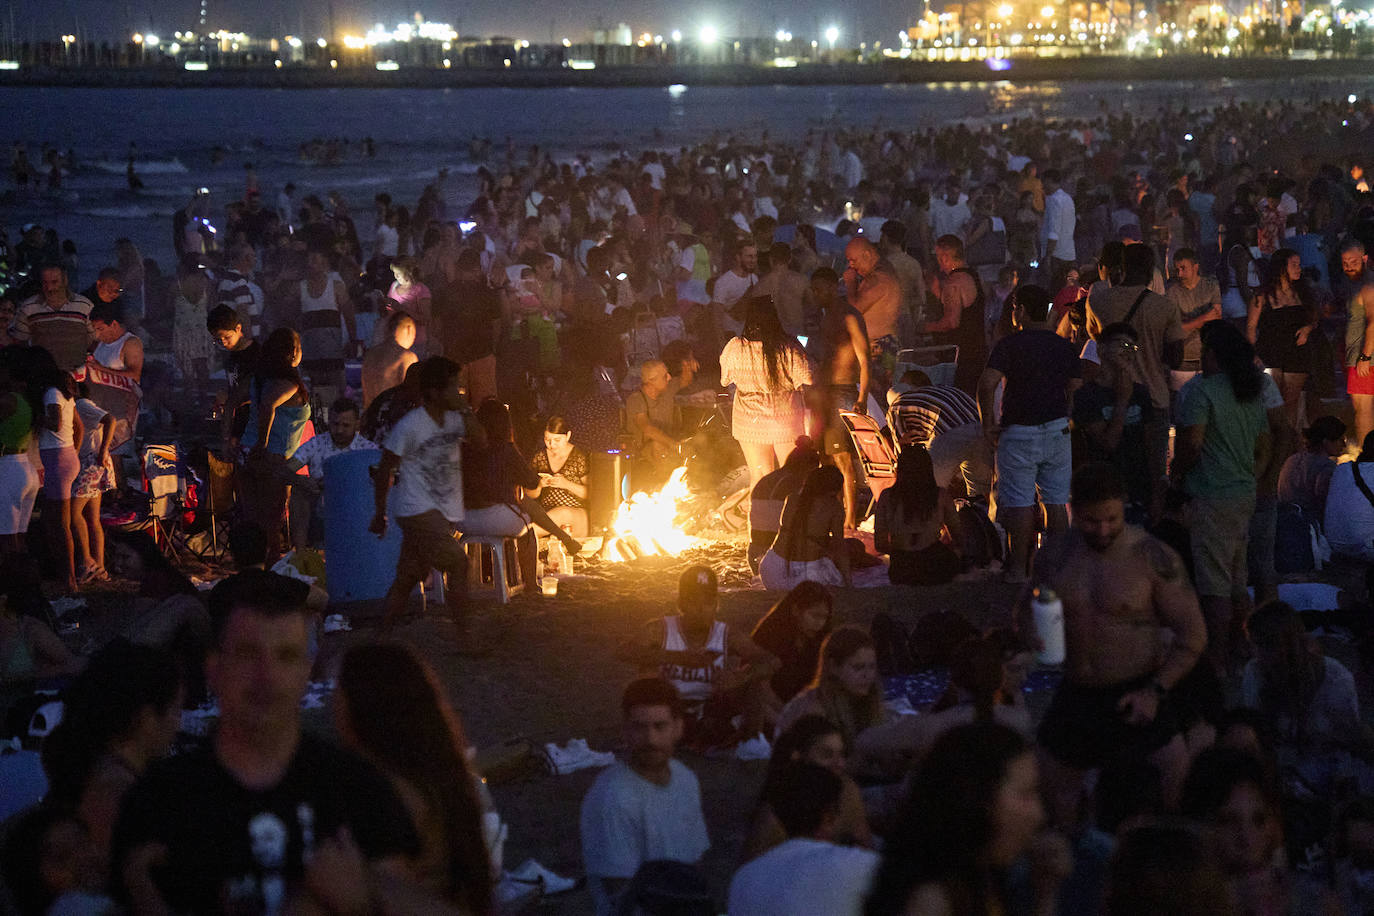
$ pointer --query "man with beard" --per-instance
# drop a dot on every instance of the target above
(1359, 343)
(1122, 591)
(647, 807)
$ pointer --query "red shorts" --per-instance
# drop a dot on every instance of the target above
(1354, 384)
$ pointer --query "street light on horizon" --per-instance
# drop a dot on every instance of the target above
(708, 34)
(832, 35)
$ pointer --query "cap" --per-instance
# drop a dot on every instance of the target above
(697, 587)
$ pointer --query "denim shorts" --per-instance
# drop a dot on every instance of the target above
(1031, 458)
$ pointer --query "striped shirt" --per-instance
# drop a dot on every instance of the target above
(315, 451)
(921, 415)
(244, 296)
(64, 332)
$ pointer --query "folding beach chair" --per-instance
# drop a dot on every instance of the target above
(170, 488)
(876, 457)
(938, 362)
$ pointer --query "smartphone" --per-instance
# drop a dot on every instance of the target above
(622, 276)
(466, 225)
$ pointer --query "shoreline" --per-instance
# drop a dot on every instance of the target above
(1021, 70)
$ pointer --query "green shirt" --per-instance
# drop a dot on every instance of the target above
(1226, 467)
(16, 429)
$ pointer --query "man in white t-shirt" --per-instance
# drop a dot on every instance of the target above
(425, 447)
(734, 284)
(647, 807)
(808, 872)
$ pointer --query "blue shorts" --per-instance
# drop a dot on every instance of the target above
(1031, 458)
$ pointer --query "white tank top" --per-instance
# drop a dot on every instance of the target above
(324, 302)
(111, 355)
(693, 682)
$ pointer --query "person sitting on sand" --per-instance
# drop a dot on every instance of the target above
(647, 807)
(793, 631)
(810, 544)
(692, 650)
(814, 740)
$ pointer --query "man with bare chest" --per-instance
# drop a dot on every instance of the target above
(841, 349)
(1133, 630)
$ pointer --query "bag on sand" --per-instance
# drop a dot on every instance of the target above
(978, 539)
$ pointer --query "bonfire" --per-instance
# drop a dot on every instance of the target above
(651, 524)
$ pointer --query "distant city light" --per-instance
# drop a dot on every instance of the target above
(677, 35)
(832, 35)
(138, 38)
(1047, 11)
(567, 42)
(783, 35)
(709, 35)
(1352, 98)
(1188, 137)
(354, 43)
(197, 65)
(1006, 10)
(9, 65)
(293, 41)
(388, 65)
(676, 89)
(321, 43)
(151, 41)
(582, 65)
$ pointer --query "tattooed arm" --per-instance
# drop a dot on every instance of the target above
(1177, 608)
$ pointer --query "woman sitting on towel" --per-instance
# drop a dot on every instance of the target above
(810, 546)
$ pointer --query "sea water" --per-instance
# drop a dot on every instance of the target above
(416, 132)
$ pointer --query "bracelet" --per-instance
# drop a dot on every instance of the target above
(1363, 358)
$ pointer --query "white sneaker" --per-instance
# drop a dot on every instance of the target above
(531, 871)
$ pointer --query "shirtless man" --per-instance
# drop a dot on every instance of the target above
(871, 288)
(385, 365)
(1359, 342)
(786, 286)
(842, 351)
(1133, 631)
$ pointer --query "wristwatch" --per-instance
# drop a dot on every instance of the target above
(1363, 358)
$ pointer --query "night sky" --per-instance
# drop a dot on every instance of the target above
(531, 19)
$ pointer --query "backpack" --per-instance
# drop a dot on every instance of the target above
(979, 542)
(1299, 545)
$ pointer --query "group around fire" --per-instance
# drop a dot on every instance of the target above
(1123, 360)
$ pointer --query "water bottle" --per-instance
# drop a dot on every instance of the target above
(558, 558)
(1048, 611)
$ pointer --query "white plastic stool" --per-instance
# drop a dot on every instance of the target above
(506, 578)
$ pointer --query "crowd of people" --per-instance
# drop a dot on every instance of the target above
(1100, 339)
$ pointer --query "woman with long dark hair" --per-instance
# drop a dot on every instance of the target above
(810, 543)
(910, 516)
(846, 689)
(768, 368)
(1218, 453)
(391, 708)
(59, 433)
(279, 408)
(1281, 319)
(793, 630)
(974, 809)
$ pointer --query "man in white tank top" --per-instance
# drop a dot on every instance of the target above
(113, 373)
(718, 673)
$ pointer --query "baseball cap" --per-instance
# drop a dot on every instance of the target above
(697, 587)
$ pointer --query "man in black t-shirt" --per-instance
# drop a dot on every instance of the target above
(1032, 438)
(248, 823)
(241, 353)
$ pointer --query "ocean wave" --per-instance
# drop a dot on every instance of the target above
(173, 166)
(128, 212)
